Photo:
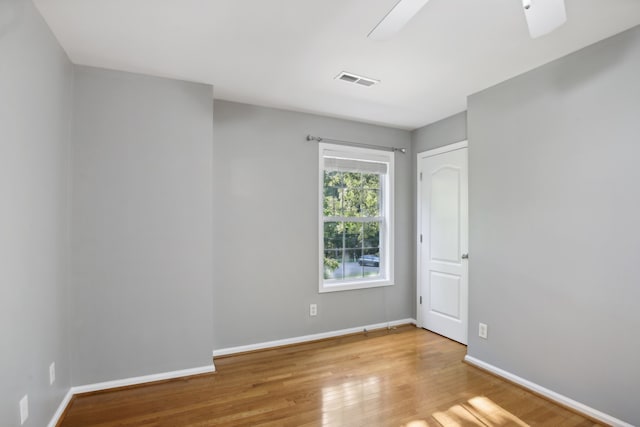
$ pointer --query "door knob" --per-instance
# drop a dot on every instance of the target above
(465, 256)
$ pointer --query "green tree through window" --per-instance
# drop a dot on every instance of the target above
(352, 229)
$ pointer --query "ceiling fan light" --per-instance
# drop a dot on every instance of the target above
(396, 19)
(544, 16)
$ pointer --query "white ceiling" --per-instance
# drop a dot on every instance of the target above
(286, 53)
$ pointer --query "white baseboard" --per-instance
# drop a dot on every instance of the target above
(123, 383)
(307, 338)
(549, 394)
(63, 405)
(143, 379)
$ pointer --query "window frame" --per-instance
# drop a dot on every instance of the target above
(387, 225)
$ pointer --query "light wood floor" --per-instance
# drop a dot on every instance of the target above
(404, 377)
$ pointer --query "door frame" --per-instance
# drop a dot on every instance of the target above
(421, 155)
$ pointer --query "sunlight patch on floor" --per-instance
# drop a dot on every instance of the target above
(348, 401)
(478, 411)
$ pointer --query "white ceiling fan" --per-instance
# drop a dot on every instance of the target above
(543, 16)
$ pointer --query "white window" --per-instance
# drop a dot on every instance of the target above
(356, 218)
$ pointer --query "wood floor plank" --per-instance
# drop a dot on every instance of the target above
(403, 377)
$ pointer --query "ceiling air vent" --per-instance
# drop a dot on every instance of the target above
(356, 79)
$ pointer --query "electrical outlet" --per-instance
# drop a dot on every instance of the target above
(52, 373)
(313, 309)
(24, 409)
(482, 330)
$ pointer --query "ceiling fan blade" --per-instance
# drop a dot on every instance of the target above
(396, 19)
(544, 16)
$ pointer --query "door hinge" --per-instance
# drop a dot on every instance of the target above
(420, 299)
(420, 176)
(421, 238)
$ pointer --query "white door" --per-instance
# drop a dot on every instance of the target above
(443, 284)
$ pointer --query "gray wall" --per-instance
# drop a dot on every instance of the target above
(554, 236)
(142, 225)
(266, 228)
(35, 113)
(444, 132)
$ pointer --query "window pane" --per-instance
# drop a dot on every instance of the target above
(371, 235)
(352, 267)
(352, 200)
(333, 234)
(352, 250)
(352, 255)
(332, 179)
(371, 180)
(333, 268)
(332, 193)
(353, 238)
(332, 201)
(370, 203)
(371, 263)
(352, 179)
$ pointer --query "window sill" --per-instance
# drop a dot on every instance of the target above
(350, 286)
